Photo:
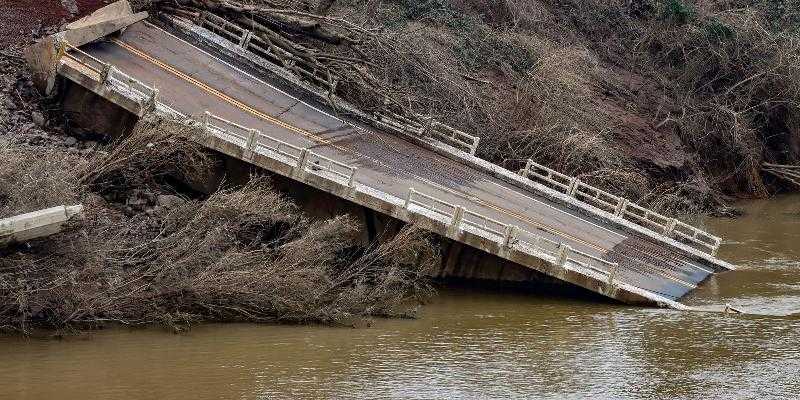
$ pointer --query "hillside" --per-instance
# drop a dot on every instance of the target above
(674, 104)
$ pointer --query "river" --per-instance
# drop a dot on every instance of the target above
(469, 344)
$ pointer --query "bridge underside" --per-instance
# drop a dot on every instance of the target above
(377, 169)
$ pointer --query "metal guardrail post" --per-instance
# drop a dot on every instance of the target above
(561, 254)
(408, 198)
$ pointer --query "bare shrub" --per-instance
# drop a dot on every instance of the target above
(243, 254)
(737, 79)
(157, 147)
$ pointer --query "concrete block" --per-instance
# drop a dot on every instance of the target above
(36, 224)
(43, 56)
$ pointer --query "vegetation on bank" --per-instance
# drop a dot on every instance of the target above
(672, 103)
(240, 254)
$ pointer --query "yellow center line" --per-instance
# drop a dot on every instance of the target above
(251, 110)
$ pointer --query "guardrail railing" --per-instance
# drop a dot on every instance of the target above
(621, 207)
(226, 29)
(101, 68)
(146, 93)
(456, 217)
(431, 203)
(509, 236)
(246, 40)
(108, 75)
(268, 144)
(318, 164)
(230, 131)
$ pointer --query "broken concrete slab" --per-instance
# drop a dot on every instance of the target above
(36, 224)
(43, 56)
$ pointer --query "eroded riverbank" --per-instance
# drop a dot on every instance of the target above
(468, 344)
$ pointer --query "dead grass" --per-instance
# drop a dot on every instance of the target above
(242, 254)
(27, 186)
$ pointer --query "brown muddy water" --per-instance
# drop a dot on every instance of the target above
(468, 344)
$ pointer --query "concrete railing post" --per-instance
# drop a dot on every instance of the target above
(622, 205)
(526, 171)
(249, 147)
(301, 161)
(61, 49)
(561, 254)
(573, 187)
(717, 243)
(509, 234)
(149, 104)
(458, 216)
(670, 226)
(613, 274)
(351, 183)
(245, 41)
(105, 73)
(408, 198)
(207, 123)
(474, 146)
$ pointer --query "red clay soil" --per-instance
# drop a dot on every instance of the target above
(20, 20)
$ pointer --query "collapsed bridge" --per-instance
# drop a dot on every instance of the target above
(214, 74)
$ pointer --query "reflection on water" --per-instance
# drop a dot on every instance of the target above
(468, 344)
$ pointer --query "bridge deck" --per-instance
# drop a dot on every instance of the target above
(193, 81)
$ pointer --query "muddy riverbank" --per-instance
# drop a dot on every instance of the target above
(468, 344)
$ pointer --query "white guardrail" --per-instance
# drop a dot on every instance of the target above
(107, 74)
(508, 236)
(621, 207)
(247, 41)
(457, 218)
(445, 134)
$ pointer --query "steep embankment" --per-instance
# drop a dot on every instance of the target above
(669, 102)
(675, 103)
(148, 250)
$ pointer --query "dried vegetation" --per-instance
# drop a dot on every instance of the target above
(242, 254)
(672, 103)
